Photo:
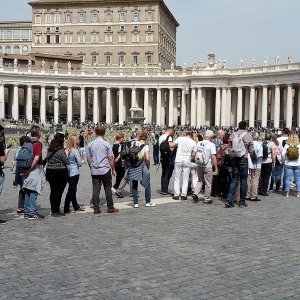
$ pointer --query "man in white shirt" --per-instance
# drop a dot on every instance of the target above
(282, 141)
(185, 146)
(205, 171)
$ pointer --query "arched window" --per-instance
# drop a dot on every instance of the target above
(16, 50)
(7, 50)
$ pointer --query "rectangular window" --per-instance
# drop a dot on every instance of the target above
(48, 18)
(94, 18)
(57, 18)
(122, 38)
(94, 37)
(121, 59)
(7, 34)
(149, 59)
(94, 60)
(107, 59)
(135, 59)
(149, 16)
(135, 16)
(81, 17)
(108, 16)
(38, 19)
(48, 39)
(68, 38)
(16, 34)
(37, 39)
(149, 37)
(108, 38)
(135, 38)
(56, 29)
(68, 18)
(122, 16)
(81, 38)
(57, 39)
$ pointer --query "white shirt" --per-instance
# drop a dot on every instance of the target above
(271, 147)
(145, 148)
(259, 153)
(281, 139)
(209, 149)
(163, 137)
(291, 163)
(185, 147)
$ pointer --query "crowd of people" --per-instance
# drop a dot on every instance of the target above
(233, 165)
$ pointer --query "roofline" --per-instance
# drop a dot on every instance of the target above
(168, 10)
(15, 22)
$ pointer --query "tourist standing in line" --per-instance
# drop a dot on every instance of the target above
(185, 146)
(72, 151)
(282, 141)
(57, 172)
(82, 146)
(156, 150)
(33, 178)
(3, 157)
(277, 170)
(165, 141)
(207, 169)
(239, 165)
(100, 159)
(291, 159)
(120, 169)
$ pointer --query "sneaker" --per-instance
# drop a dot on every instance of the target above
(229, 204)
(136, 205)
(20, 211)
(91, 205)
(113, 190)
(130, 195)
(195, 198)
(119, 194)
(35, 217)
(254, 199)
(183, 197)
(208, 202)
(164, 193)
(151, 204)
(243, 204)
(112, 210)
(2, 222)
(176, 198)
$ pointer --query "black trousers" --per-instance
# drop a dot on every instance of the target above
(97, 180)
(71, 194)
(167, 171)
(120, 174)
(266, 171)
(58, 179)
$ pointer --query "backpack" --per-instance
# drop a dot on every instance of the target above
(201, 156)
(164, 149)
(238, 148)
(265, 150)
(25, 156)
(132, 154)
(292, 152)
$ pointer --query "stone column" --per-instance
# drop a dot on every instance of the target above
(264, 108)
(183, 108)
(108, 105)
(259, 103)
(199, 108)
(252, 106)
(247, 104)
(163, 108)
(100, 112)
(193, 107)
(56, 105)
(133, 98)
(188, 108)
(228, 110)
(158, 106)
(82, 105)
(96, 106)
(224, 107)
(70, 105)
(2, 102)
(42, 104)
(150, 107)
(277, 106)
(29, 103)
(289, 106)
(121, 106)
(175, 110)
(239, 109)
(272, 103)
(15, 103)
(171, 106)
(218, 107)
(203, 105)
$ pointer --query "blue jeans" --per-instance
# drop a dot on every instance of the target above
(276, 177)
(30, 202)
(239, 176)
(156, 156)
(135, 192)
(291, 172)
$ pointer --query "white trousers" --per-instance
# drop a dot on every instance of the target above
(182, 173)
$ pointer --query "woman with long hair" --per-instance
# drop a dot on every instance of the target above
(72, 150)
(277, 170)
(291, 158)
(57, 172)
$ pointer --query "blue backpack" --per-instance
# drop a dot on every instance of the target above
(25, 156)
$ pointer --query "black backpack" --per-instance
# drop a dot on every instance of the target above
(164, 148)
(265, 150)
(132, 154)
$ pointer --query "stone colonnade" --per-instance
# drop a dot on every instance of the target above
(265, 105)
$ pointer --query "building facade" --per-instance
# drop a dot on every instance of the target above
(106, 33)
(263, 96)
(15, 38)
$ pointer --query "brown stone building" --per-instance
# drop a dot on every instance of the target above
(102, 32)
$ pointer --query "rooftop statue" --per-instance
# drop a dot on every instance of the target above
(211, 60)
(277, 60)
(253, 62)
(43, 64)
(290, 59)
(15, 63)
(266, 61)
(241, 63)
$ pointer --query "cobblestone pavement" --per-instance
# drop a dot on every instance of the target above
(176, 250)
